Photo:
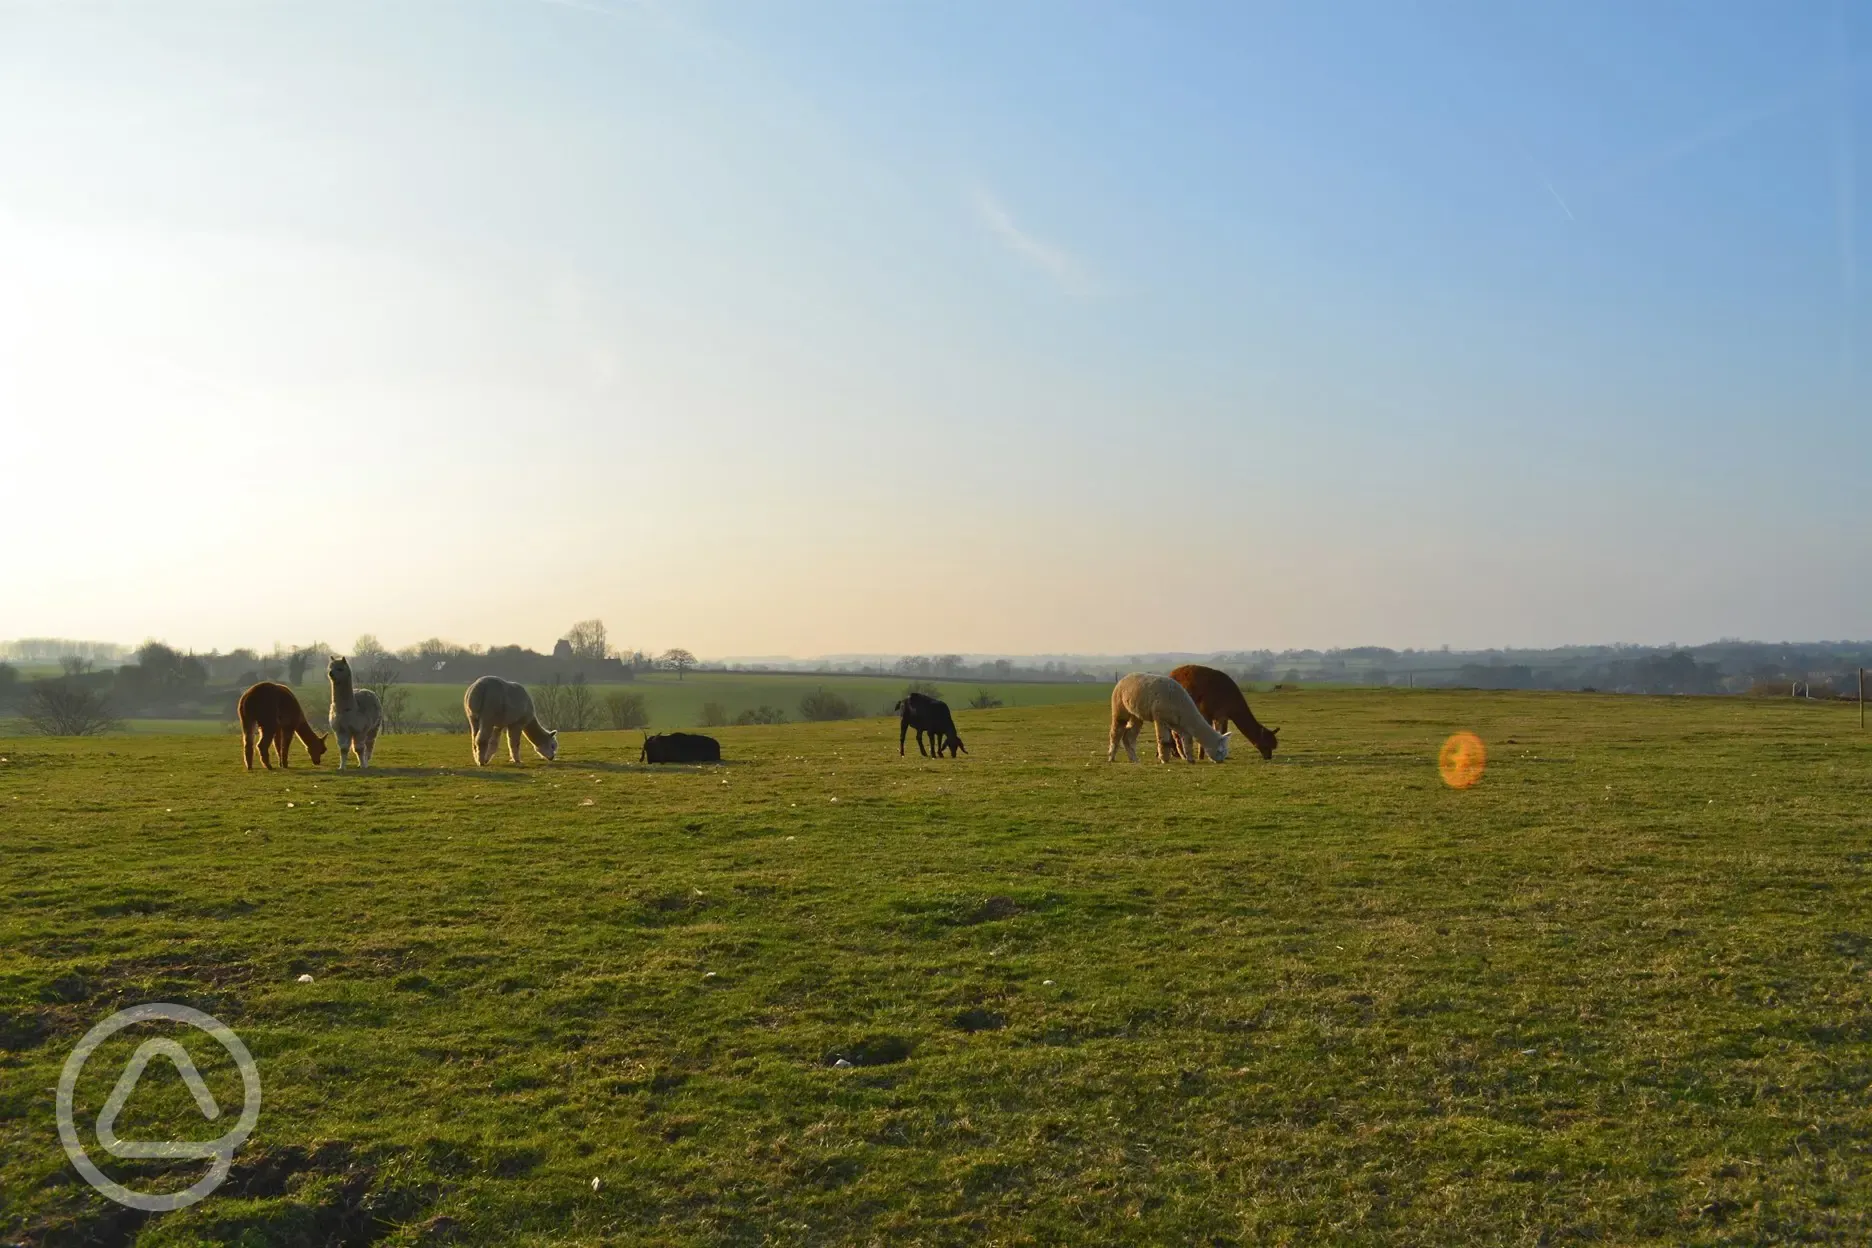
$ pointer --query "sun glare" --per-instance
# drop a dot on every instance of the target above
(1461, 760)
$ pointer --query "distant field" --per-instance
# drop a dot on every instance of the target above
(674, 703)
(1617, 993)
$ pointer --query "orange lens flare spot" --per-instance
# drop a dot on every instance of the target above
(1461, 760)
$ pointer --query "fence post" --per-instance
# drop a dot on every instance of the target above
(1862, 699)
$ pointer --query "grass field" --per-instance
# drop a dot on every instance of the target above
(1617, 993)
(676, 704)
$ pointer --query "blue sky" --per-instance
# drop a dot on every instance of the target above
(843, 326)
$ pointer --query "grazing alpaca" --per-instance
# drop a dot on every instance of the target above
(1145, 695)
(1220, 699)
(494, 704)
(356, 715)
(928, 715)
(271, 713)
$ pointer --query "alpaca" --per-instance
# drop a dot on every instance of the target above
(494, 705)
(680, 747)
(1220, 699)
(928, 715)
(1146, 695)
(269, 712)
(356, 715)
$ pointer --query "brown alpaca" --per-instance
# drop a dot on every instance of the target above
(270, 712)
(1220, 699)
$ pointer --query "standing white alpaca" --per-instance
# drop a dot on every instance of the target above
(356, 715)
(1145, 696)
(493, 704)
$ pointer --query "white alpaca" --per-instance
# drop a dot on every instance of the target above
(356, 715)
(1144, 695)
(493, 704)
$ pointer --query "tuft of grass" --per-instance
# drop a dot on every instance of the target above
(1617, 992)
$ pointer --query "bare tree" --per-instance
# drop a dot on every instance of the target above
(587, 639)
(74, 665)
(65, 708)
(394, 697)
(570, 706)
(680, 660)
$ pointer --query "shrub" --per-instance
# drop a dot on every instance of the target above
(627, 710)
(451, 719)
(762, 715)
(65, 708)
(983, 701)
(714, 714)
(822, 704)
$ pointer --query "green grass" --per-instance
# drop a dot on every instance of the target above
(1617, 993)
(677, 704)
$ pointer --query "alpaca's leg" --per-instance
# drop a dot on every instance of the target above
(247, 744)
(344, 743)
(474, 741)
(370, 746)
(1165, 751)
(1116, 736)
(285, 744)
(1126, 731)
(903, 730)
(513, 743)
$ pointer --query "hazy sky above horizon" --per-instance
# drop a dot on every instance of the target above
(1060, 325)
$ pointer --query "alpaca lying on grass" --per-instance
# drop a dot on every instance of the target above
(1146, 696)
(356, 715)
(494, 705)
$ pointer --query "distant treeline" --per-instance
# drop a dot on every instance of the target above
(159, 681)
(1824, 667)
(936, 667)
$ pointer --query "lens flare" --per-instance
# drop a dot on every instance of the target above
(1461, 760)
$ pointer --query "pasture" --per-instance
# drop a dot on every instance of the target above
(674, 703)
(1618, 992)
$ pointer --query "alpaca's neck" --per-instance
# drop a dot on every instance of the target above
(1251, 727)
(534, 733)
(342, 697)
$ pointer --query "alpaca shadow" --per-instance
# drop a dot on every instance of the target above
(490, 772)
(627, 768)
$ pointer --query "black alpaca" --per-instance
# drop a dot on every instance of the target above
(928, 715)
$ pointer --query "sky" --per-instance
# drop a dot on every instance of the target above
(858, 326)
